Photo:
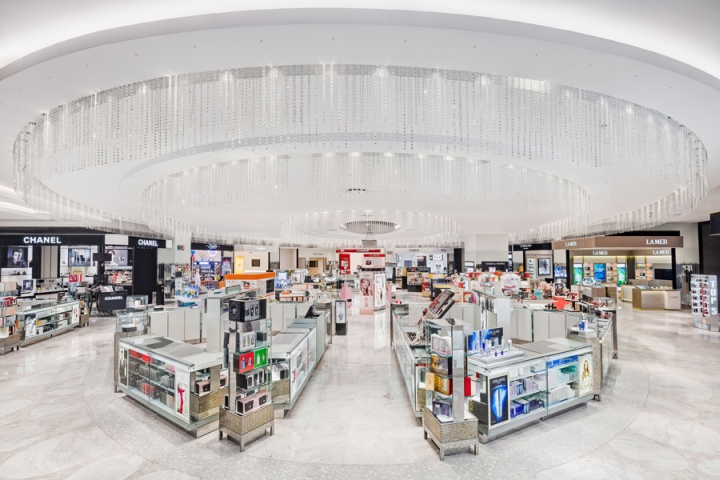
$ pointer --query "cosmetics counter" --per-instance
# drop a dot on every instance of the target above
(180, 382)
(645, 297)
(130, 322)
(9, 332)
(297, 350)
(538, 379)
(413, 360)
(38, 323)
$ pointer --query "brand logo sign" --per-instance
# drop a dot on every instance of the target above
(661, 252)
(600, 252)
(144, 242)
(42, 240)
(656, 241)
(119, 297)
(571, 244)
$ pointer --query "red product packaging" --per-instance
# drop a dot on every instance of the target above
(246, 362)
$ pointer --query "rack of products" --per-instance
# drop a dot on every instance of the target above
(182, 383)
(9, 333)
(447, 423)
(47, 321)
(704, 294)
(538, 379)
(248, 413)
(175, 276)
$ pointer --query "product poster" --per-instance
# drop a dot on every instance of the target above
(30, 325)
(366, 284)
(492, 336)
(499, 400)
(586, 374)
(123, 367)
(376, 260)
(599, 271)
(379, 290)
(531, 267)
(75, 314)
(622, 274)
(473, 342)
(340, 312)
(182, 395)
(577, 273)
(344, 264)
(544, 267)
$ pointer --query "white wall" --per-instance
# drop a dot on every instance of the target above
(288, 258)
(249, 257)
(486, 248)
(182, 256)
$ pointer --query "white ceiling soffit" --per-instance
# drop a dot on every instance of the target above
(659, 75)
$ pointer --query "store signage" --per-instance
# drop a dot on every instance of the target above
(120, 297)
(181, 247)
(661, 252)
(42, 240)
(146, 242)
(600, 252)
(712, 283)
(656, 241)
(571, 244)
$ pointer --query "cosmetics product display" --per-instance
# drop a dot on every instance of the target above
(704, 298)
(247, 413)
(41, 323)
(178, 381)
(551, 376)
(446, 420)
(9, 333)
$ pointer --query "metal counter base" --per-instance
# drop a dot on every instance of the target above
(196, 429)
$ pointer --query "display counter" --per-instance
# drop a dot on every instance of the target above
(412, 361)
(655, 298)
(40, 323)
(131, 322)
(178, 381)
(553, 376)
(295, 354)
(9, 333)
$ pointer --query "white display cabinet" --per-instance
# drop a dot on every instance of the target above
(180, 382)
(38, 324)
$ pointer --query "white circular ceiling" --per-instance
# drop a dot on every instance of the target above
(667, 85)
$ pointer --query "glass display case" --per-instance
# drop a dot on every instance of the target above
(41, 323)
(248, 413)
(413, 361)
(548, 377)
(180, 382)
(293, 360)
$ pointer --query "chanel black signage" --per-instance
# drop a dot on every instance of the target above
(142, 242)
(51, 239)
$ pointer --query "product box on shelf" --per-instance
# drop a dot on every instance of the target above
(247, 310)
(245, 361)
(261, 357)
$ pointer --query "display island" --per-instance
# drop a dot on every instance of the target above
(537, 380)
(180, 382)
(41, 323)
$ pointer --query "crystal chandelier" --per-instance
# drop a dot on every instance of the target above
(330, 229)
(247, 183)
(362, 108)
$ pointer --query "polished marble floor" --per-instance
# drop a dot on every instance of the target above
(659, 417)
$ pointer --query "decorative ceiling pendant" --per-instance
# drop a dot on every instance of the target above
(271, 111)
